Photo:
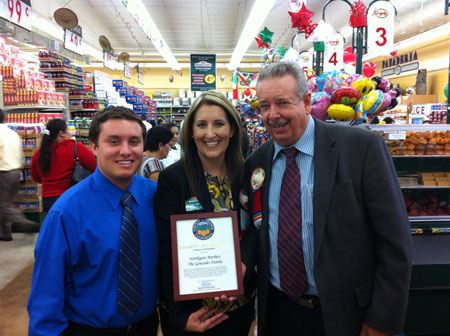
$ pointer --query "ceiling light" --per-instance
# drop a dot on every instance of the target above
(258, 15)
(148, 26)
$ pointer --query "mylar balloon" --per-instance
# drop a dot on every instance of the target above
(341, 112)
(369, 69)
(345, 95)
(320, 102)
(222, 78)
(364, 86)
(349, 56)
(171, 78)
(386, 102)
(247, 92)
(446, 90)
(372, 101)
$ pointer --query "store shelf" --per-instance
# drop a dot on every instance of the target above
(33, 108)
(418, 156)
(414, 219)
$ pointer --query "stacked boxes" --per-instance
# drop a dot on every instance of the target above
(441, 179)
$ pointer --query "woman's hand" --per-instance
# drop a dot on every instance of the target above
(204, 319)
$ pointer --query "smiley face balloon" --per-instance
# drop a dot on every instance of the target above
(364, 86)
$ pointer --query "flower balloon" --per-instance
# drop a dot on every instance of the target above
(364, 86)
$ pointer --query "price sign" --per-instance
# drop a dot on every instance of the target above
(108, 60)
(333, 56)
(305, 61)
(380, 28)
(17, 12)
(127, 70)
(73, 42)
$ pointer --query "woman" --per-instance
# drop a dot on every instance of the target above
(156, 148)
(208, 176)
(175, 148)
(53, 164)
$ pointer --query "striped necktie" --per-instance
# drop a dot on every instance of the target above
(129, 296)
(290, 254)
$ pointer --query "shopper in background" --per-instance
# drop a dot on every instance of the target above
(97, 253)
(146, 123)
(175, 148)
(11, 156)
(333, 247)
(208, 178)
(53, 164)
(157, 147)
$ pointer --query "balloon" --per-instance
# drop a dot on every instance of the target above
(320, 102)
(349, 56)
(333, 83)
(354, 77)
(341, 112)
(386, 102)
(247, 92)
(372, 101)
(171, 78)
(312, 85)
(446, 90)
(345, 95)
(364, 86)
(381, 83)
(222, 78)
(369, 69)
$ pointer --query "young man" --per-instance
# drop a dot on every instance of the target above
(329, 234)
(96, 256)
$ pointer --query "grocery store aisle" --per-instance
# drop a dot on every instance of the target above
(16, 267)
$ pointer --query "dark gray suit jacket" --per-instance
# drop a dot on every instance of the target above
(362, 240)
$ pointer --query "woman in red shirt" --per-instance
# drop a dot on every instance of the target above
(53, 164)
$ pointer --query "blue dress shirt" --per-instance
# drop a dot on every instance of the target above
(75, 273)
(305, 162)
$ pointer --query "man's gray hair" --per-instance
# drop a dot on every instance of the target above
(281, 69)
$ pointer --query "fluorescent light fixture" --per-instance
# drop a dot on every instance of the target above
(420, 38)
(258, 14)
(148, 26)
(182, 65)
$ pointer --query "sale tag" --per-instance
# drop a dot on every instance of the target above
(333, 56)
(17, 12)
(305, 60)
(127, 70)
(108, 60)
(73, 42)
(380, 28)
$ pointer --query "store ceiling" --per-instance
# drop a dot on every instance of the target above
(214, 26)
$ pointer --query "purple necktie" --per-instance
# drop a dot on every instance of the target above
(290, 254)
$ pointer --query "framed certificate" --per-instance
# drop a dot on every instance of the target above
(206, 258)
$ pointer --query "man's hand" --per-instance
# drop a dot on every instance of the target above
(204, 319)
(368, 331)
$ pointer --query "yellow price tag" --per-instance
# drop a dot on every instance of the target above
(210, 79)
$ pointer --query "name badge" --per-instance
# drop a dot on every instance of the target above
(193, 204)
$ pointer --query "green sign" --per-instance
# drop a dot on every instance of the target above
(203, 72)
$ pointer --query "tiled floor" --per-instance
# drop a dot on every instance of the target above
(15, 255)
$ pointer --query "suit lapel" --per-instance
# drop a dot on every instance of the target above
(325, 165)
(203, 197)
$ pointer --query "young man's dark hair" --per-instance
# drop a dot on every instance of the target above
(112, 112)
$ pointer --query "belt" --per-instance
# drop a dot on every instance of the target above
(79, 329)
(309, 301)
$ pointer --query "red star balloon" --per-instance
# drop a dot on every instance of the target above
(301, 18)
(258, 39)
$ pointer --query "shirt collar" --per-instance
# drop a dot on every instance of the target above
(113, 193)
(304, 143)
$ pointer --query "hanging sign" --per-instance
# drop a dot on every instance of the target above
(380, 28)
(203, 72)
(17, 12)
(140, 72)
(333, 56)
(127, 70)
(108, 60)
(73, 41)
